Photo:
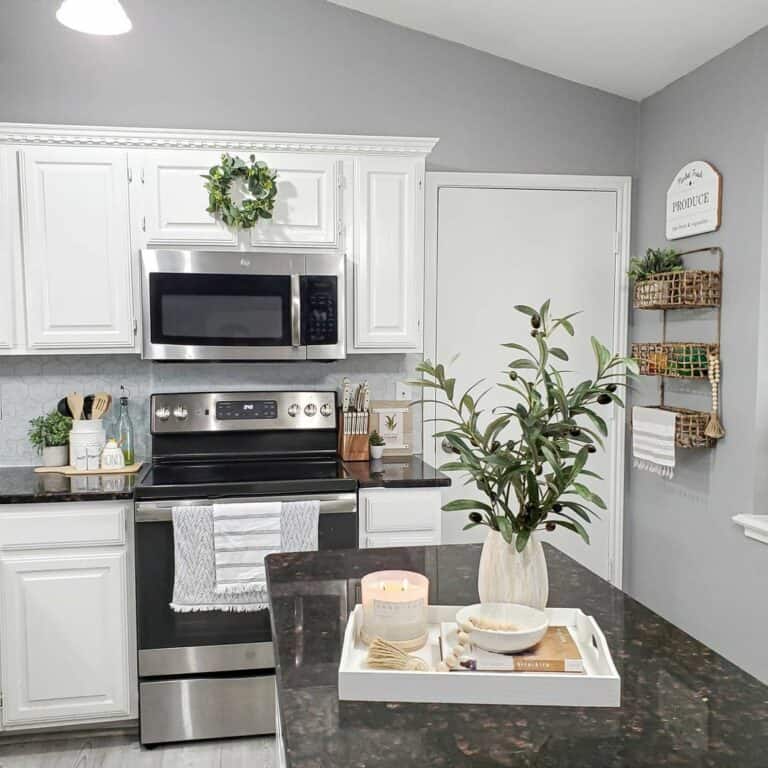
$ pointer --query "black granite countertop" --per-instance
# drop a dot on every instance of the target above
(682, 703)
(396, 472)
(19, 485)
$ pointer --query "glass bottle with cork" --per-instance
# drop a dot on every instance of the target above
(125, 429)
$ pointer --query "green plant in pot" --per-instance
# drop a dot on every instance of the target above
(49, 434)
(656, 261)
(528, 458)
(376, 444)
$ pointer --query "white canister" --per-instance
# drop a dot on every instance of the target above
(112, 457)
(80, 442)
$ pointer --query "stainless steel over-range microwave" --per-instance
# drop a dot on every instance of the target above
(213, 305)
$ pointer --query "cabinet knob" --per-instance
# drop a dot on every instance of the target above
(180, 412)
(163, 413)
(310, 409)
(293, 410)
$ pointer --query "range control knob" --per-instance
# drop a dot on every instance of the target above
(325, 409)
(180, 412)
(310, 409)
(163, 413)
(293, 410)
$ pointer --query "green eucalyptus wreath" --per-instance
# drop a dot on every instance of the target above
(259, 181)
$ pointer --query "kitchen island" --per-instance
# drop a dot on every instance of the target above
(682, 703)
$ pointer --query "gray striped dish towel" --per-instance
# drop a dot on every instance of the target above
(653, 440)
(194, 578)
(244, 534)
(195, 585)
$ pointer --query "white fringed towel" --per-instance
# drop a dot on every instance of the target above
(653, 440)
(243, 535)
(194, 580)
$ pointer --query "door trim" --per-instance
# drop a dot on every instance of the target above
(621, 186)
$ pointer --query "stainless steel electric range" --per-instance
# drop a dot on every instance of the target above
(210, 674)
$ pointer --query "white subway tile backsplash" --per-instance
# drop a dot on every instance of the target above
(30, 386)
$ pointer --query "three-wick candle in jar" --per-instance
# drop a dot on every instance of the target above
(395, 608)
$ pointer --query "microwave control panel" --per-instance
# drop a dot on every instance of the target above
(319, 308)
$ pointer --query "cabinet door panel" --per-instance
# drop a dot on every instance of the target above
(176, 201)
(64, 637)
(389, 254)
(76, 248)
(9, 225)
(306, 213)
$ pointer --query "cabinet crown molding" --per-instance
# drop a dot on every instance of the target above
(251, 141)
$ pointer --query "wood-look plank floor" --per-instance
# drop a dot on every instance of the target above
(125, 752)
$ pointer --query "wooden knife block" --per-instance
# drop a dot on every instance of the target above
(352, 447)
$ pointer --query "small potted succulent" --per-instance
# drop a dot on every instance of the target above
(50, 436)
(376, 443)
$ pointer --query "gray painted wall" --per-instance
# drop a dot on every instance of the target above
(306, 66)
(684, 557)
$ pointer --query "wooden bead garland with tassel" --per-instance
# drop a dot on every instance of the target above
(384, 655)
(714, 428)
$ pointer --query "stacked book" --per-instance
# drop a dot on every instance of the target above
(557, 651)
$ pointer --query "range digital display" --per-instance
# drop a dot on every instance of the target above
(234, 410)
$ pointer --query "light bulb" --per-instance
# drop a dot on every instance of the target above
(94, 17)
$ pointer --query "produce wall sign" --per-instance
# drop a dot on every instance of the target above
(694, 201)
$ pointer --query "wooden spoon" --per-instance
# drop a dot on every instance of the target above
(101, 403)
(75, 402)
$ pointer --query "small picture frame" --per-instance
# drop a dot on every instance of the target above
(393, 420)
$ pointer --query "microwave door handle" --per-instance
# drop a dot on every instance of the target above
(295, 311)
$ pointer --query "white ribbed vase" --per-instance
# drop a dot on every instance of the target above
(509, 576)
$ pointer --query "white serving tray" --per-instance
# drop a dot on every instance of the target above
(598, 686)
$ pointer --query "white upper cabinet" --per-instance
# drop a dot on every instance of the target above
(306, 213)
(76, 241)
(10, 264)
(388, 258)
(175, 201)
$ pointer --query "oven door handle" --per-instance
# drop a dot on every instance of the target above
(160, 511)
(295, 311)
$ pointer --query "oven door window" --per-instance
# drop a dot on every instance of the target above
(220, 310)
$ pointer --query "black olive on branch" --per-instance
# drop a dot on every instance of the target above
(574, 432)
(603, 399)
(475, 517)
(550, 526)
(536, 321)
(591, 449)
(513, 375)
(611, 387)
(557, 507)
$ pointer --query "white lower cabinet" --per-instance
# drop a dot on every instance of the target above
(399, 517)
(67, 633)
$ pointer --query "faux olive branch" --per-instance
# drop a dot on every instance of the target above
(531, 481)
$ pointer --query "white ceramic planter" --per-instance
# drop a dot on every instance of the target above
(377, 451)
(55, 456)
(508, 576)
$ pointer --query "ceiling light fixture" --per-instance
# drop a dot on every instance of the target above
(94, 17)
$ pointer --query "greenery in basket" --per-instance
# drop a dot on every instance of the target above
(656, 260)
(49, 431)
(259, 180)
(375, 438)
(530, 475)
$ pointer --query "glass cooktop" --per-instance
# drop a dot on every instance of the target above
(242, 478)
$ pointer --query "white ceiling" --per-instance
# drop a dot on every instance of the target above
(629, 47)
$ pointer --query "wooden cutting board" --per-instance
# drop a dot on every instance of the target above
(129, 470)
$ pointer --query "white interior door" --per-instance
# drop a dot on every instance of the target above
(497, 247)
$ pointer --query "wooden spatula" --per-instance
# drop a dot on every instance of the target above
(101, 403)
(75, 402)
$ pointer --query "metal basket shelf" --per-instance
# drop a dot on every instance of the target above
(688, 289)
(676, 360)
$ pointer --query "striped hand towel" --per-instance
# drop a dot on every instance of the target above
(243, 535)
(194, 579)
(653, 440)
